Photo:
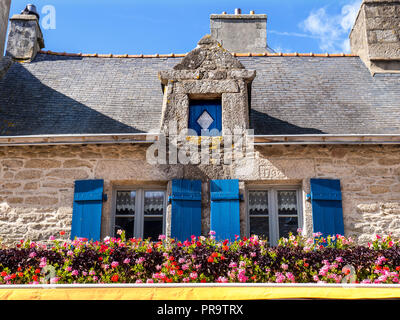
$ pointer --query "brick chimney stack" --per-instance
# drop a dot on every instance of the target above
(25, 37)
(4, 12)
(375, 36)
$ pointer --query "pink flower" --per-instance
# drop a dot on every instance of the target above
(279, 277)
(68, 268)
(114, 264)
(339, 259)
(181, 260)
(284, 266)
(290, 276)
(193, 275)
(211, 233)
(119, 231)
(54, 280)
(92, 273)
(140, 260)
(161, 237)
(75, 272)
(32, 255)
(185, 266)
(70, 253)
(51, 238)
(222, 279)
(149, 281)
(95, 278)
(127, 260)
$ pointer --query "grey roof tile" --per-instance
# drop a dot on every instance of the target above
(290, 95)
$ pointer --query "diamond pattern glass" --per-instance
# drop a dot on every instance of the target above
(205, 120)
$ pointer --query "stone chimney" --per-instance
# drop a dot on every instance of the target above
(4, 12)
(25, 38)
(240, 32)
(375, 36)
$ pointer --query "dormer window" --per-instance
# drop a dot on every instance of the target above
(205, 117)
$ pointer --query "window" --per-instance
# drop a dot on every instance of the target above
(140, 212)
(205, 117)
(273, 212)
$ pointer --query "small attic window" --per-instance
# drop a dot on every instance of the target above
(205, 117)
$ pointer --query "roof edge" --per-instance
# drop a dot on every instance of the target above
(181, 55)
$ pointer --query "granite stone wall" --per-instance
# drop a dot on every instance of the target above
(36, 183)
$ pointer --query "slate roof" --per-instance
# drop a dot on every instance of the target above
(290, 95)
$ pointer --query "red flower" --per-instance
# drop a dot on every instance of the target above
(3, 274)
(306, 264)
(210, 259)
(180, 272)
(222, 257)
(225, 248)
(37, 271)
(198, 243)
(168, 280)
(114, 278)
(225, 242)
(20, 274)
(171, 258)
(214, 255)
(398, 268)
(34, 278)
(203, 280)
(149, 250)
(100, 258)
(62, 233)
(13, 276)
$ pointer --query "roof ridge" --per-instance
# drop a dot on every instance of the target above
(181, 55)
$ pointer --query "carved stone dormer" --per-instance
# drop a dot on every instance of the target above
(207, 73)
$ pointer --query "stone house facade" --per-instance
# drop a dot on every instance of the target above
(92, 143)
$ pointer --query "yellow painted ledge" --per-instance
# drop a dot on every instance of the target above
(212, 292)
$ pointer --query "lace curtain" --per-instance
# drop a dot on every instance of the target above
(126, 201)
(153, 202)
(287, 200)
(258, 202)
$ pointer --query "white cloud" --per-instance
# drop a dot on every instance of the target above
(332, 30)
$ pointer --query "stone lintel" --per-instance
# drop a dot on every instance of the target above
(184, 75)
(210, 86)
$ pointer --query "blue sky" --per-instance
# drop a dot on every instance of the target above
(153, 26)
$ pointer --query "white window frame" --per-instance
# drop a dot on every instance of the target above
(139, 208)
(273, 208)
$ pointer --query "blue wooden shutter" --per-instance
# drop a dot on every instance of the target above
(225, 213)
(186, 209)
(326, 200)
(88, 202)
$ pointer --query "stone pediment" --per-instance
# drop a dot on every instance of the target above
(209, 55)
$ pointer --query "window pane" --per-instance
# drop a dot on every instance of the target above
(287, 202)
(286, 225)
(258, 202)
(152, 227)
(127, 224)
(125, 202)
(154, 202)
(259, 226)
